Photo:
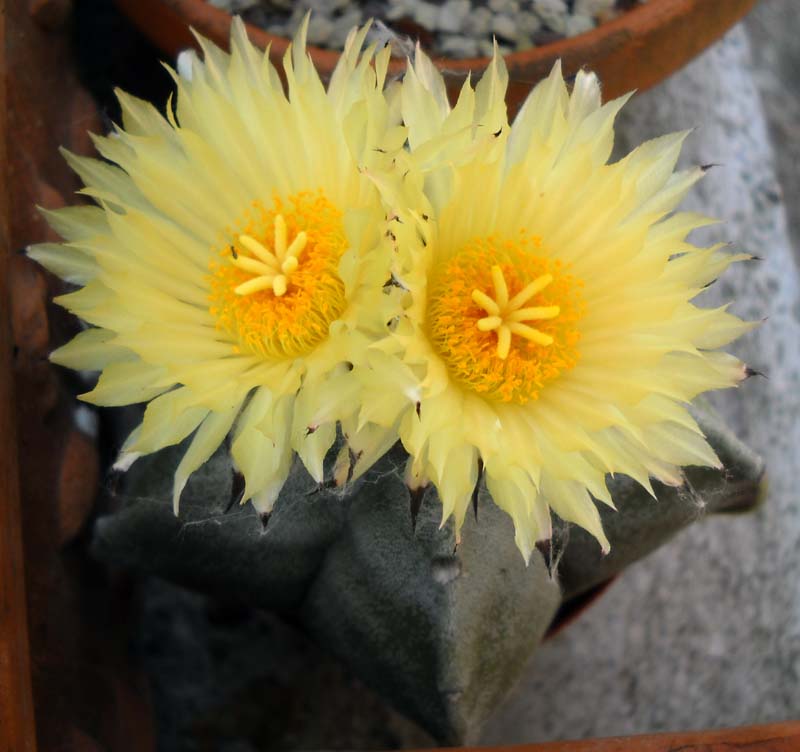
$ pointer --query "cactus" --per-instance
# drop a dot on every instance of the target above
(442, 631)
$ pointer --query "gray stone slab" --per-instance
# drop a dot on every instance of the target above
(706, 632)
(773, 32)
(640, 524)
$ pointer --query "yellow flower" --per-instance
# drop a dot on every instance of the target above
(548, 337)
(232, 267)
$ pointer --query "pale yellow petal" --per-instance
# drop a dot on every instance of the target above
(168, 420)
(91, 350)
(128, 382)
(209, 436)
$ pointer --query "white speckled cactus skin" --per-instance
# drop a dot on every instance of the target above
(442, 631)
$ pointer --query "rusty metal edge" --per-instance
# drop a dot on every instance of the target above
(774, 737)
(17, 722)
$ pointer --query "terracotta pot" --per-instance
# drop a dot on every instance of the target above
(634, 51)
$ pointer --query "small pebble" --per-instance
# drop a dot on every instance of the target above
(398, 9)
(426, 14)
(452, 15)
(234, 6)
(454, 28)
(486, 48)
(478, 23)
(342, 26)
(529, 23)
(456, 46)
(578, 25)
(320, 29)
(553, 13)
(524, 42)
(505, 27)
(503, 6)
(593, 8)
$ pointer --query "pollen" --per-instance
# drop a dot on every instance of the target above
(274, 279)
(504, 317)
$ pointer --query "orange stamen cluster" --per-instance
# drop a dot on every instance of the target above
(504, 317)
(275, 284)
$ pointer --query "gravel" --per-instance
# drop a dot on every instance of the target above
(454, 28)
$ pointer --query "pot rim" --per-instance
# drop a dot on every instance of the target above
(208, 19)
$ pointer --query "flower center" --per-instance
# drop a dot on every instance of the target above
(503, 317)
(275, 284)
(506, 316)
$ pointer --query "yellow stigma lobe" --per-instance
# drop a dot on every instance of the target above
(275, 286)
(506, 316)
(273, 269)
(503, 317)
